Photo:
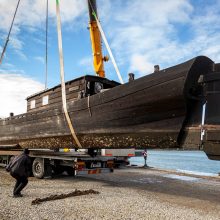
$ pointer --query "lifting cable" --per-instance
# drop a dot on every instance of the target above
(46, 47)
(63, 86)
(106, 44)
(7, 39)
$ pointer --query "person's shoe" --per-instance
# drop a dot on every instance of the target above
(17, 195)
(20, 194)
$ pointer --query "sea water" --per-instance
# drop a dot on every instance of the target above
(195, 162)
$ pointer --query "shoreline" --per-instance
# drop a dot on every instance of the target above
(179, 172)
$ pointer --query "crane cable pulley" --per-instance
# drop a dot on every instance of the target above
(106, 44)
(63, 86)
(7, 39)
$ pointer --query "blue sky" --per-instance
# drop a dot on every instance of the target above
(141, 33)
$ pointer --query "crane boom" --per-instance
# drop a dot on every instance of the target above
(98, 59)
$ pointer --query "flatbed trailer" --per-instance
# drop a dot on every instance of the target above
(49, 162)
(121, 156)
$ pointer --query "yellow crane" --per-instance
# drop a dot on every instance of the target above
(98, 58)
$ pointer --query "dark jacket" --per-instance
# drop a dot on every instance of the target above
(20, 166)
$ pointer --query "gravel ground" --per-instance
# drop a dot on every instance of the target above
(125, 194)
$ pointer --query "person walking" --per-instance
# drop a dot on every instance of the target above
(20, 169)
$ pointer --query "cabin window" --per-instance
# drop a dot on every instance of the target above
(98, 87)
(93, 88)
(45, 100)
(33, 104)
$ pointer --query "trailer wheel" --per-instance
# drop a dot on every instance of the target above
(38, 168)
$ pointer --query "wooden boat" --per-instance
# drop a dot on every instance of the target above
(160, 110)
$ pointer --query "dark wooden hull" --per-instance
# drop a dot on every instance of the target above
(211, 143)
(158, 110)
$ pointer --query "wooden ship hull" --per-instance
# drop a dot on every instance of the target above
(211, 142)
(160, 110)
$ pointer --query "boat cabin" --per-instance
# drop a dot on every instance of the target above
(75, 89)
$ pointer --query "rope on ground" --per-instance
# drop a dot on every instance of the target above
(63, 86)
(63, 196)
(7, 39)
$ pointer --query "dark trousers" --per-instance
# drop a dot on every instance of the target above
(21, 182)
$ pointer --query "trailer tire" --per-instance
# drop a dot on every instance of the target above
(38, 168)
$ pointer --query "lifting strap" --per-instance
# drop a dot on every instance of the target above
(63, 86)
(46, 47)
(106, 44)
(7, 39)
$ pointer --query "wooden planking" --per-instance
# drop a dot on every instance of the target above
(150, 81)
(57, 89)
(98, 113)
(212, 149)
(153, 99)
(212, 92)
(217, 67)
(44, 124)
(54, 97)
(55, 93)
(53, 101)
(106, 109)
(86, 124)
(142, 86)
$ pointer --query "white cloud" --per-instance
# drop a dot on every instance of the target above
(13, 91)
(31, 15)
(16, 43)
(161, 32)
(6, 66)
(86, 61)
(32, 12)
(87, 64)
(140, 64)
(40, 59)
(140, 32)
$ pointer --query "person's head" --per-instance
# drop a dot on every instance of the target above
(26, 151)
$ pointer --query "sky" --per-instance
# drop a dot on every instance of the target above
(141, 33)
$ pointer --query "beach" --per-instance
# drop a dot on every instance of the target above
(129, 193)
